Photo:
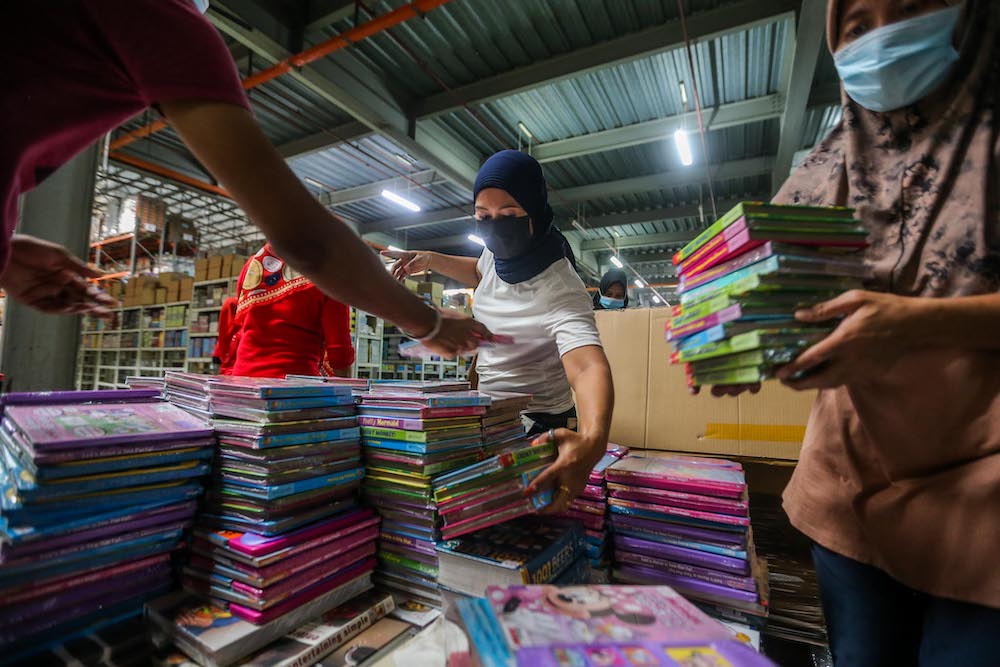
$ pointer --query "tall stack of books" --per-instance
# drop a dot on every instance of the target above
(96, 489)
(684, 522)
(282, 526)
(502, 425)
(595, 626)
(413, 432)
(591, 509)
(742, 280)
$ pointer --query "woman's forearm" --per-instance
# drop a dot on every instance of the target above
(462, 269)
(589, 374)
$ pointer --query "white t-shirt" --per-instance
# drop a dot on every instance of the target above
(548, 316)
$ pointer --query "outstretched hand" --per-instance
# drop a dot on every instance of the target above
(46, 276)
(568, 475)
(407, 262)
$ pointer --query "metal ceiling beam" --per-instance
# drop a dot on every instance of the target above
(373, 190)
(647, 215)
(805, 55)
(452, 241)
(660, 181)
(347, 132)
(727, 115)
(345, 82)
(664, 180)
(421, 219)
(658, 39)
(644, 241)
(653, 257)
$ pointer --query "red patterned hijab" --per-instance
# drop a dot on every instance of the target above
(266, 278)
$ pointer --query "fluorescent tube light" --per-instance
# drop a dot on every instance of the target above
(405, 203)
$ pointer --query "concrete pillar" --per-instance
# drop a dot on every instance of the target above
(39, 351)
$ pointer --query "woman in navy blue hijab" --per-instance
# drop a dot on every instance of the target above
(527, 287)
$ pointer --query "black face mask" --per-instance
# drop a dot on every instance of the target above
(507, 237)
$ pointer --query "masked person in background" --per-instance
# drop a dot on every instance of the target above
(116, 59)
(613, 292)
(898, 481)
(527, 287)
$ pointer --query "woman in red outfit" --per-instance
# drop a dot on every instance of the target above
(286, 325)
(225, 348)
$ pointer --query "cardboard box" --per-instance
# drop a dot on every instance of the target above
(201, 269)
(161, 295)
(146, 297)
(186, 289)
(432, 291)
(770, 424)
(214, 267)
(130, 288)
(625, 334)
(411, 284)
(173, 290)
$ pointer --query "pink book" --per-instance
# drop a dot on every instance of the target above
(252, 544)
(258, 617)
(678, 475)
(265, 576)
(598, 615)
(285, 588)
(647, 509)
(481, 496)
(589, 521)
(589, 506)
(519, 507)
(677, 499)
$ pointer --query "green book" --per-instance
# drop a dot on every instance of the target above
(777, 212)
(764, 356)
(752, 340)
(392, 558)
(419, 436)
(747, 375)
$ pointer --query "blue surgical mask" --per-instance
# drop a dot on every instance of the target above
(896, 65)
(612, 304)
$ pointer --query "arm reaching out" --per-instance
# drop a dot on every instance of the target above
(463, 269)
(226, 139)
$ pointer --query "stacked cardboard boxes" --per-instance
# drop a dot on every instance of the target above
(217, 267)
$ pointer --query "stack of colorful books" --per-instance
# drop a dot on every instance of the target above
(684, 522)
(502, 425)
(189, 391)
(413, 432)
(96, 489)
(530, 549)
(492, 491)
(596, 626)
(282, 526)
(140, 382)
(742, 279)
(591, 509)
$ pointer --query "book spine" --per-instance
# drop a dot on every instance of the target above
(729, 314)
(723, 246)
(729, 218)
(738, 343)
(757, 254)
(553, 561)
(397, 445)
(769, 265)
(393, 434)
(391, 423)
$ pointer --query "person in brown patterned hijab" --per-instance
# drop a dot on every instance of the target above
(899, 477)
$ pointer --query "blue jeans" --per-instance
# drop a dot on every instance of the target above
(874, 621)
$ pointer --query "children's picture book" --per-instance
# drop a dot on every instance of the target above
(677, 475)
(47, 427)
(272, 388)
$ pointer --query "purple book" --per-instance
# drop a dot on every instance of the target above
(684, 570)
(411, 543)
(66, 456)
(648, 653)
(57, 397)
(682, 555)
(52, 427)
(721, 538)
(29, 610)
(687, 586)
(163, 515)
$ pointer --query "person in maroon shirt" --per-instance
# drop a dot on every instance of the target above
(76, 69)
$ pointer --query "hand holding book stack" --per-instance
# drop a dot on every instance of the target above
(743, 279)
